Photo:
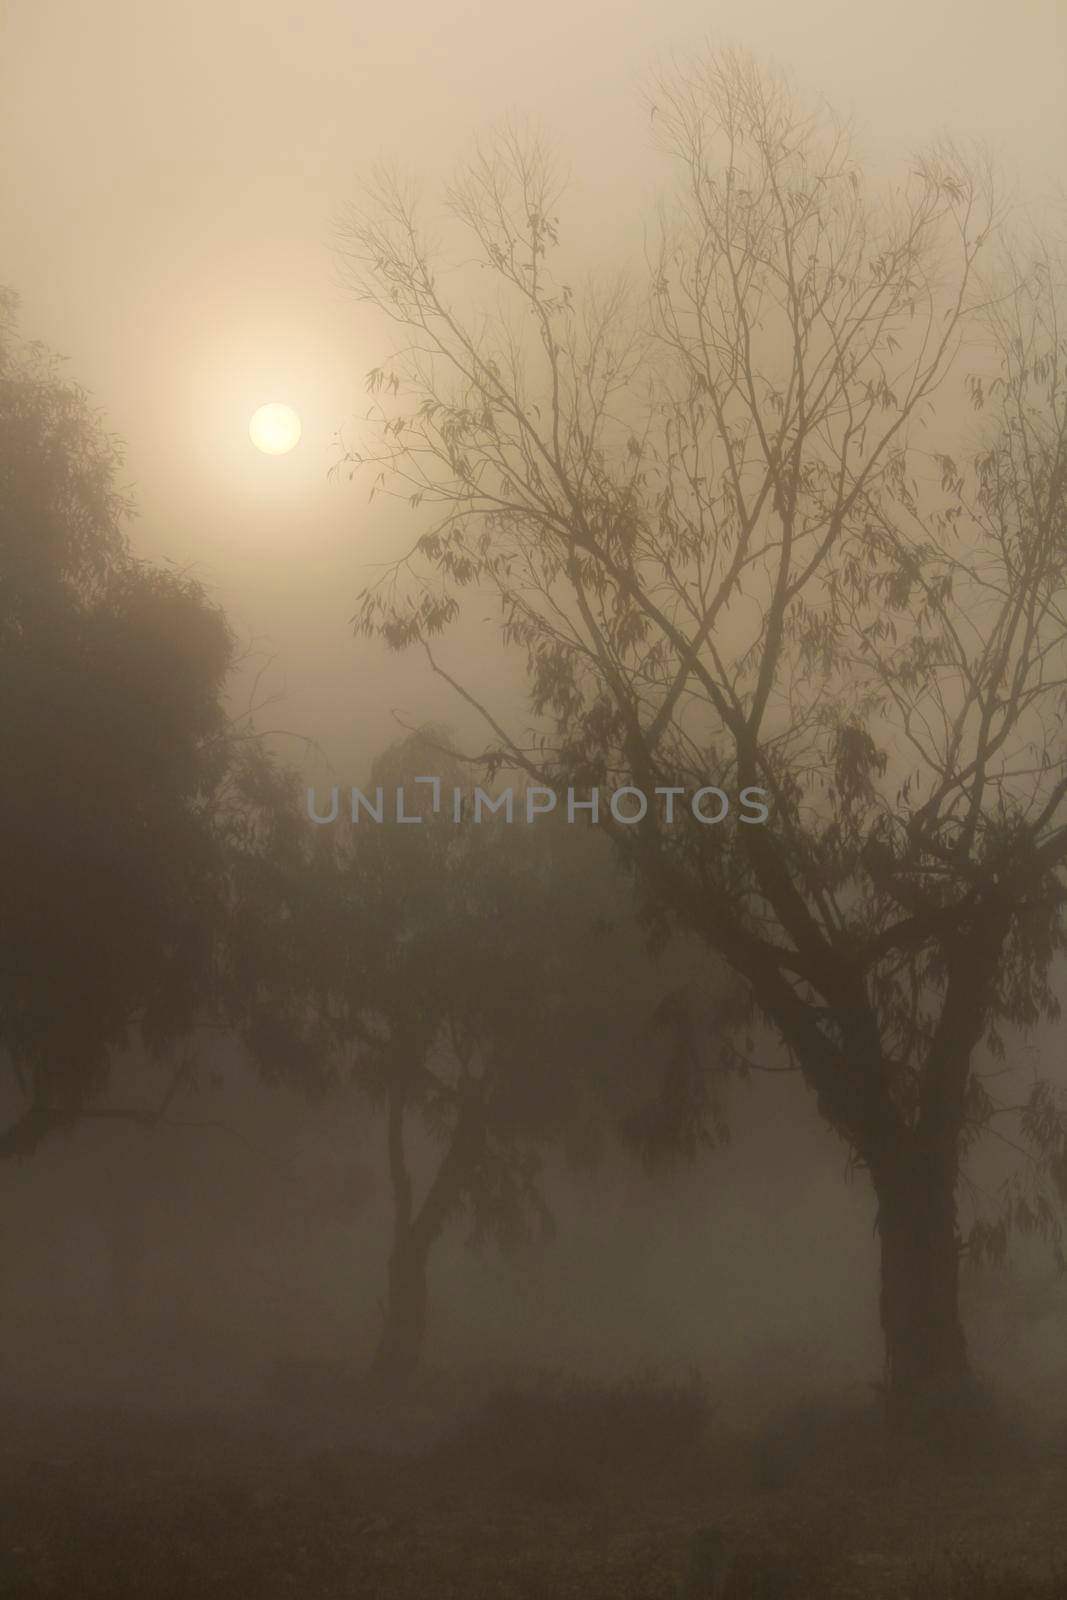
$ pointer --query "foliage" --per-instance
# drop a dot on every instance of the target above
(484, 980)
(122, 766)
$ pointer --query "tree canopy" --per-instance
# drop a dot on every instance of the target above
(125, 777)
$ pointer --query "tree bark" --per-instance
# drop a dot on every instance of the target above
(916, 1173)
(927, 1367)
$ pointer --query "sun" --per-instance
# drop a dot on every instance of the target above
(274, 429)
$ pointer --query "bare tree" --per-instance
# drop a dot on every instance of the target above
(725, 525)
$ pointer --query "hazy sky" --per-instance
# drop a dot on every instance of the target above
(169, 179)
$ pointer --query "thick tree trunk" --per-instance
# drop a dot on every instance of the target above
(927, 1370)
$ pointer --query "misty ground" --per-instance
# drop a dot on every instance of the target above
(519, 1489)
(182, 1414)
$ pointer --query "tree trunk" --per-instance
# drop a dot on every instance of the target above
(927, 1370)
(404, 1331)
(415, 1232)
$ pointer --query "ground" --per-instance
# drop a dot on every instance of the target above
(549, 1490)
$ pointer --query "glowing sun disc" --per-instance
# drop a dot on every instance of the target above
(274, 429)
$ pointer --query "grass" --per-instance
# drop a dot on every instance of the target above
(553, 1489)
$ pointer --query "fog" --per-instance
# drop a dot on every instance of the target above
(170, 188)
(172, 185)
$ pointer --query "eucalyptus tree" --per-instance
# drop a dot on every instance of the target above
(480, 981)
(738, 526)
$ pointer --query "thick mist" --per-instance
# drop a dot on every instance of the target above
(195, 1268)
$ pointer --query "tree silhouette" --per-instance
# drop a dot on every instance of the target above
(738, 529)
(126, 782)
(479, 980)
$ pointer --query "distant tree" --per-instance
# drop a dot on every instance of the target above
(483, 982)
(734, 534)
(126, 783)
